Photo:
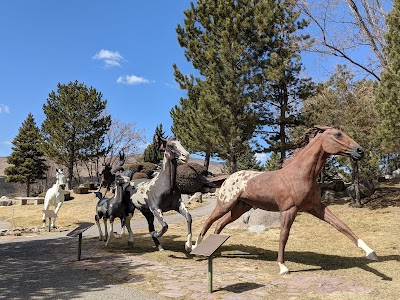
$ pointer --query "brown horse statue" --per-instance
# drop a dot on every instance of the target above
(289, 190)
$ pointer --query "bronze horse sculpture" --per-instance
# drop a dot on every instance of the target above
(289, 190)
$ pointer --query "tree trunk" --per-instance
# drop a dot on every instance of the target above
(70, 173)
(233, 163)
(28, 189)
(357, 184)
(207, 160)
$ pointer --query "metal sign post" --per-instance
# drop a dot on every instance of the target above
(48, 214)
(78, 232)
(207, 248)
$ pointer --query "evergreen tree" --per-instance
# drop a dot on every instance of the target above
(27, 162)
(229, 43)
(152, 153)
(388, 94)
(273, 162)
(192, 125)
(246, 161)
(285, 89)
(75, 124)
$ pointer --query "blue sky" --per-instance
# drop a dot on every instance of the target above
(125, 49)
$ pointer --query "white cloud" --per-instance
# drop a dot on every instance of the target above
(110, 58)
(132, 80)
(6, 143)
(4, 109)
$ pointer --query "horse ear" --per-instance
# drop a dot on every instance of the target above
(121, 158)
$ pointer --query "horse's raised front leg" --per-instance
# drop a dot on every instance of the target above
(164, 226)
(237, 210)
(150, 221)
(287, 219)
(324, 213)
(184, 212)
(219, 210)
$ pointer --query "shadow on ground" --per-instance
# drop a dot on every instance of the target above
(30, 270)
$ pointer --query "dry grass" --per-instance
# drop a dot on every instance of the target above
(80, 209)
(324, 264)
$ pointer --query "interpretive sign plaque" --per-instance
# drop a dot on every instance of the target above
(207, 248)
(78, 232)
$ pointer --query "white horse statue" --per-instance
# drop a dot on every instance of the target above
(55, 196)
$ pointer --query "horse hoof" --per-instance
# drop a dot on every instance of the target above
(160, 248)
(130, 244)
(283, 269)
(372, 256)
(188, 248)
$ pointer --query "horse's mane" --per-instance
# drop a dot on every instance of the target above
(302, 142)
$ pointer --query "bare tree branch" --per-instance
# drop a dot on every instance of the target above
(340, 34)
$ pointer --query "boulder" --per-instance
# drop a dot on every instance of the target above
(81, 190)
(140, 175)
(396, 173)
(5, 201)
(367, 188)
(256, 220)
(190, 178)
(334, 185)
(197, 197)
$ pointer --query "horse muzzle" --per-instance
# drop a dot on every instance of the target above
(183, 158)
(357, 153)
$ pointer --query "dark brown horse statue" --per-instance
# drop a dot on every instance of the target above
(289, 190)
(107, 177)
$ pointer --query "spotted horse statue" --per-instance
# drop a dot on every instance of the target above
(289, 190)
(161, 194)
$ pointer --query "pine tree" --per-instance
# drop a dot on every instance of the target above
(246, 161)
(388, 94)
(27, 162)
(273, 162)
(75, 124)
(285, 89)
(152, 153)
(192, 125)
(229, 44)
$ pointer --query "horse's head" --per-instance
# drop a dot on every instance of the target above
(174, 150)
(61, 180)
(337, 142)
